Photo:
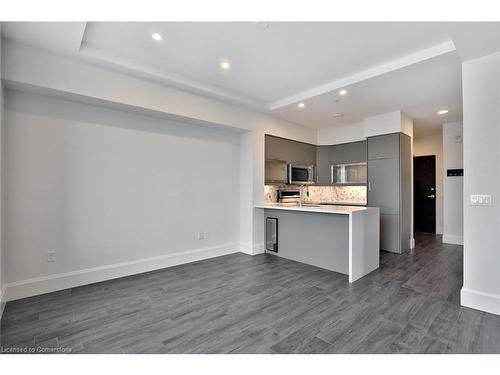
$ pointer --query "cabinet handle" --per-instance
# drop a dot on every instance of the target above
(369, 186)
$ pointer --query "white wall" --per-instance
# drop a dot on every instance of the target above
(453, 204)
(433, 145)
(386, 123)
(341, 134)
(481, 127)
(32, 69)
(102, 187)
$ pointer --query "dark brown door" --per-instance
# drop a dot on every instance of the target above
(424, 182)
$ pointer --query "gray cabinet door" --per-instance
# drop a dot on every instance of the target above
(406, 188)
(323, 163)
(337, 154)
(390, 233)
(383, 146)
(303, 153)
(354, 152)
(290, 151)
(383, 185)
(277, 148)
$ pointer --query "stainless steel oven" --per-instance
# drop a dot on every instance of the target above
(301, 174)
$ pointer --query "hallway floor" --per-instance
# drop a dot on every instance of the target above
(264, 304)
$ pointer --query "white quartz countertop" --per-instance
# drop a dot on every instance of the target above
(341, 203)
(326, 209)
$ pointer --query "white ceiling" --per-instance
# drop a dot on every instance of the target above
(414, 67)
(269, 63)
(420, 90)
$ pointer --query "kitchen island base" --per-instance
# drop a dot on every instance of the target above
(341, 240)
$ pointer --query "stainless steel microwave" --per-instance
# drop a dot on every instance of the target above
(281, 172)
(301, 174)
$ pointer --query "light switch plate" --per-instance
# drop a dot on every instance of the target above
(480, 200)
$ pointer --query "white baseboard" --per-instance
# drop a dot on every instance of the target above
(480, 300)
(246, 248)
(453, 239)
(258, 249)
(412, 243)
(3, 292)
(439, 230)
(252, 249)
(52, 283)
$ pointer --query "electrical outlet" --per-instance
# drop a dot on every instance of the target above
(480, 199)
(201, 235)
(51, 256)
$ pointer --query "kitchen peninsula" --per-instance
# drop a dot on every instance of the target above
(343, 239)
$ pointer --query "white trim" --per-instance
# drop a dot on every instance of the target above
(250, 249)
(453, 239)
(412, 243)
(439, 229)
(52, 283)
(246, 248)
(3, 292)
(258, 249)
(480, 301)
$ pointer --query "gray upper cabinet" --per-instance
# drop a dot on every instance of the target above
(336, 154)
(290, 151)
(304, 153)
(354, 152)
(323, 163)
(323, 157)
(277, 148)
(383, 146)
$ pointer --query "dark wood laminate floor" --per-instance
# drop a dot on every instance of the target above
(264, 304)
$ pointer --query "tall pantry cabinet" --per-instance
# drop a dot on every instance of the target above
(389, 188)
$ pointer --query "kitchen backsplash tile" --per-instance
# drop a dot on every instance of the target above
(322, 194)
(271, 193)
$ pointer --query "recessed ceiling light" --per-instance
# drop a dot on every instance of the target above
(342, 92)
(225, 65)
(157, 36)
(338, 114)
(443, 112)
(301, 105)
